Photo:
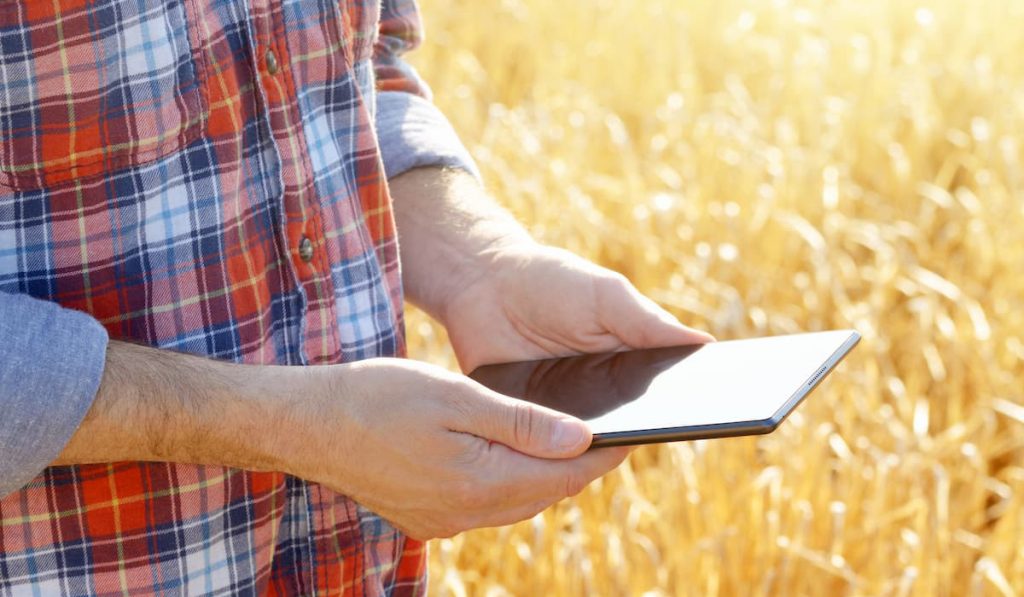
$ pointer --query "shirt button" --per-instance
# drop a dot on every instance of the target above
(306, 249)
(272, 65)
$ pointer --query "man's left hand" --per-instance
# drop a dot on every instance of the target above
(532, 301)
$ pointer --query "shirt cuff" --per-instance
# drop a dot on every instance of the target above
(413, 133)
(51, 362)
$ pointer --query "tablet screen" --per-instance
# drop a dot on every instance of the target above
(699, 385)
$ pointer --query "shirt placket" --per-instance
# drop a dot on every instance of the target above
(302, 232)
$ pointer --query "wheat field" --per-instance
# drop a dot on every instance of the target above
(762, 167)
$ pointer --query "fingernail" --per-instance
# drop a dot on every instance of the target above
(570, 434)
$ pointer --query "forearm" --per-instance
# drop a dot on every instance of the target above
(449, 230)
(157, 405)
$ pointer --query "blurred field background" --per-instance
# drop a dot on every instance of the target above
(761, 167)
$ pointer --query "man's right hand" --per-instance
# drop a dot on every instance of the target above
(433, 452)
(436, 453)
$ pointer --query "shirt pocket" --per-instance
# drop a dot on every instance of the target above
(91, 87)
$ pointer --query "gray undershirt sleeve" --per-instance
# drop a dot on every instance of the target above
(51, 362)
(414, 133)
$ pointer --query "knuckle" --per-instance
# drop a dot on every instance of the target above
(612, 288)
(470, 454)
(420, 529)
(616, 282)
(524, 421)
(452, 526)
(419, 534)
(575, 483)
(447, 531)
(537, 508)
(459, 407)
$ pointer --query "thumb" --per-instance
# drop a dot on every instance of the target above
(526, 427)
(641, 323)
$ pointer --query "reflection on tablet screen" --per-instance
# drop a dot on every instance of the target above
(586, 386)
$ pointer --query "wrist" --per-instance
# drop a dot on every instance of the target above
(310, 412)
(257, 417)
(481, 273)
(493, 276)
(450, 231)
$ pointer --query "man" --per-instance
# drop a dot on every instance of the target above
(193, 193)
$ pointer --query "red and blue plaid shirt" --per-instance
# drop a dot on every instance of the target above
(203, 176)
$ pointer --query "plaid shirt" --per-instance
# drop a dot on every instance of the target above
(204, 176)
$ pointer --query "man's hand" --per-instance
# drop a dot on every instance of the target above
(501, 295)
(436, 453)
(527, 301)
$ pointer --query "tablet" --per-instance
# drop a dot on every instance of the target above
(720, 389)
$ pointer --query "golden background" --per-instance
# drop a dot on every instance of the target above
(762, 167)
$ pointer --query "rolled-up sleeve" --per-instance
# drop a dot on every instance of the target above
(411, 130)
(51, 362)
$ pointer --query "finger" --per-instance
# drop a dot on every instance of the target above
(517, 480)
(522, 426)
(640, 322)
(523, 490)
(508, 516)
